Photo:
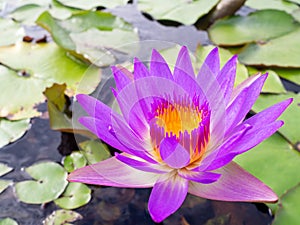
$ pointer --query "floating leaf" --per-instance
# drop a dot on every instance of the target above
(94, 151)
(279, 52)
(4, 184)
(4, 169)
(288, 212)
(272, 4)
(273, 83)
(186, 12)
(88, 5)
(62, 217)
(90, 35)
(295, 1)
(289, 74)
(11, 131)
(75, 196)
(259, 26)
(50, 181)
(290, 130)
(8, 221)
(11, 32)
(38, 66)
(274, 162)
(74, 161)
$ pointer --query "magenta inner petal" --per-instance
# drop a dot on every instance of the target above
(200, 177)
(174, 154)
(184, 63)
(142, 165)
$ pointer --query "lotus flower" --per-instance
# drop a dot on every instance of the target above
(178, 132)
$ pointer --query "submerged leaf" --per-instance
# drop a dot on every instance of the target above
(62, 217)
(49, 183)
(75, 196)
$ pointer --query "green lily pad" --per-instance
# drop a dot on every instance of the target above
(4, 184)
(186, 12)
(11, 131)
(274, 162)
(290, 130)
(94, 151)
(74, 161)
(272, 4)
(273, 83)
(27, 12)
(11, 32)
(62, 217)
(50, 180)
(295, 1)
(279, 52)
(288, 212)
(90, 35)
(8, 221)
(25, 79)
(4, 169)
(88, 5)
(259, 26)
(75, 196)
(292, 75)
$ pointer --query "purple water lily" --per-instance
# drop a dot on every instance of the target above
(179, 132)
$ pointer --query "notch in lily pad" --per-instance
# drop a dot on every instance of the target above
(75, 196)
(50, 180)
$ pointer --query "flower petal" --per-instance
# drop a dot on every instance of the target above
(122, 76)
(118, 136)
(243, 102)
(235, 184)
(167, 196)
(198, 176)
(159, 67)
(226, 77)
(174, 154)
(268, 115)
(142, 165)
(112, 172)
(210, 66)
(184, 64)
(140, 70)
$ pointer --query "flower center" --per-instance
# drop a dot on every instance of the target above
(187, 120)
(176, 118)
